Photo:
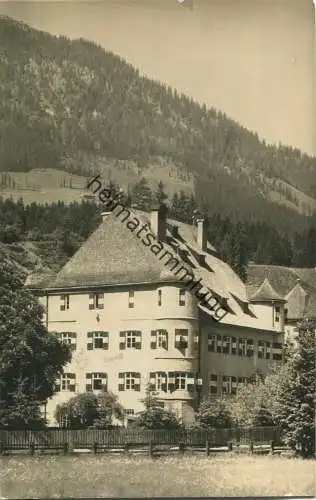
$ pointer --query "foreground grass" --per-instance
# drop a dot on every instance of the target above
(120, 476)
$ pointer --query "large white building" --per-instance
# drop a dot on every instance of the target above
(131, 320)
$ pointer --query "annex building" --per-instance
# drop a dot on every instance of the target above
(131, 320)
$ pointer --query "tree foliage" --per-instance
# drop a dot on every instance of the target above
(295, 404)
(213, 414)
(154, 416)
(90, 410)
(30, 358)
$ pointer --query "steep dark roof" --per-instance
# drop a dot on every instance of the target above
(293, 284)
(266, 293)
(114, 255)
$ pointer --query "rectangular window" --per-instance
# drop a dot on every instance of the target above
(158, 381)
(233, 385)
(64, 302)
(226, 348)
(249, 348)
(159, 297)
(159, 339)
(96, 382)
(129, 381)
(68, 338)
(234, 345)
(129, 411)
(211, 343)
(242, 381)
(261, 349)
(277, 351)
(68, 382)
(219, 344)
(96, 301)
(98, 340)
(226, 384)
(213, 384)
(268, 350)
(130, 339)
(277, 314)
(179, 380)
(182, 293)
(131, 299)
(242, 347)
(181, 338)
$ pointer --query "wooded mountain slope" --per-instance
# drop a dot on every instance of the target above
(71, 105)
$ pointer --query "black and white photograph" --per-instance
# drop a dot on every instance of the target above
(157, 249)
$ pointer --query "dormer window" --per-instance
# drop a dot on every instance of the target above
(131, 299)
(182, 293)
(64, 302)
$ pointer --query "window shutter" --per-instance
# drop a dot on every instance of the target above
(57, 387)
(91, 306)
(88, 388)
(122, 346)
(121, 387)
(90, 334)
(101, 306)
(153, 343)
(62, 307)
(138, 345)
(165, 344)
(73, 347)
(72, 387)
(89, 375)
(90, 346)
(137, 387)
(164, 387)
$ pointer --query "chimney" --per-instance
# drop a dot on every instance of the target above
(158, 221)
(104, 215)
(201, 233)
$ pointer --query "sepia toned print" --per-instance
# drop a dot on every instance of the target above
(157, 249)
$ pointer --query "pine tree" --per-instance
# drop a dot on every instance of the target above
(160, 193)
(295, 408)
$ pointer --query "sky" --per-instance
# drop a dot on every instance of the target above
(253, 60)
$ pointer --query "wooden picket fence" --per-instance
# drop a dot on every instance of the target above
(124, 439)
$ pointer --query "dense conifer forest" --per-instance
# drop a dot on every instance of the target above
(56, 231)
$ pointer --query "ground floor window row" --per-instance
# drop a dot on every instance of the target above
(129, 339)
(131, 381)
(244, 346)
(226, 384)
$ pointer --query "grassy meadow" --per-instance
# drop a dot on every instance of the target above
(135, 476)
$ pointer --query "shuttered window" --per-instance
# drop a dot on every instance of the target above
(98, 340)
(129, 381)
(130, 339)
